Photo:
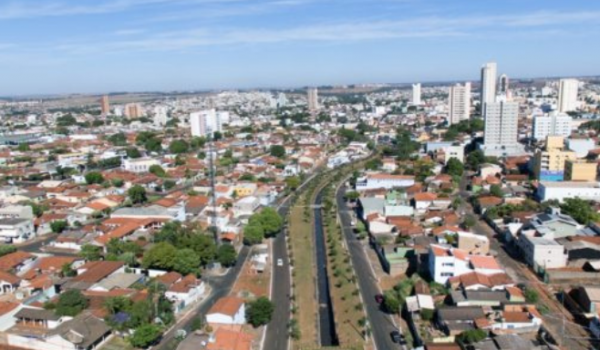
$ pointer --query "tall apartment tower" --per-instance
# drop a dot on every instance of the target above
(313, 99)
(105, 105)
(133, 110)
(501, 124)
(416, 94)
(567, 95)
(208, 121)
(488, 84)
(503, 87)
(459, 103)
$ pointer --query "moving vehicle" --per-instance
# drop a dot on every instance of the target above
(279, 262)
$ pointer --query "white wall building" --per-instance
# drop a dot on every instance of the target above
(208, 121)
(459, 101)
(501, 123)
(161, 115)
(16, 230)
(373, 181)
(416, 94)
(551, 125)
(227, 310)
(488, 83)
(139, 165)
(567, 95)
(313, 99)
(543, 253)
(548, 190)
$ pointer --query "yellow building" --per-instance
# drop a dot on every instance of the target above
(555, 142)
(580, 171)
(550, 165)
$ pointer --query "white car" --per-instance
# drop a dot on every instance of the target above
(279, 262)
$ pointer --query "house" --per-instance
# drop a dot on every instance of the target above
(245, 206)
(373, 181)
(17, 262)
(228, 310)
(472, 243)
(40, 329)
(445, 263)
(185, 291)
(477, 280)
(139, 165)
(16, 230)
(553, 225)
(455, 320)
(93, 272)
(8, 282)
(517, 319)
(588, 298)
(151, 212)
(542, 253)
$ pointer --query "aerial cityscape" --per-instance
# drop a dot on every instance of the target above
(299, 175)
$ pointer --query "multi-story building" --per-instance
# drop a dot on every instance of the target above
(105, 105)
(373, 181)
(567, 95)
(208, 121)
(133, 110)
(488, 83)
(161, 115)
(552, 190)
(459, 101)
(549, 164)
(580, 171)
(501, 124)
(416, 94)
(503, 86)
(551, 125)
(313, 99)
(542, 253)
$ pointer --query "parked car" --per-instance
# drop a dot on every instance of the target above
(379, 298)
(397, 337)
(279, 262)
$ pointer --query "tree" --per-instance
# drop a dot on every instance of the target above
(292, 182)
(153, 145)
(7, 249)
(157, 170)
(496, 191)
(253, 234)
(259, 312)
(269, 219)
(133, 152)
(373, 164)
(23, 147)
(58, 226)
(118, 139)
(160, 256)
(169, 184)
(145, 335)
(179, 147)
(391, 303)
(94, 177)
(67, 270)
(277, 151)
(137, 194)
(217, 135)
(455, 167)
(352, 195)
(186, 261)
(90, 252)
(475, 159)
(117, 182)
(471, 336)
(71, 303)
(226, 255)
(580, 210)
(531, 295)
(469, 221)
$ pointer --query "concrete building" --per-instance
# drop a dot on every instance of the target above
(501, 129)
(503, 88)
(549, 165)
(416, 94)
(576, 170)
(161, 115)
(542, 253)
(227, 311)
(133, 110)
(206, 122)
(313, 99)
(548, 190)
(139, 165)
(16, 230)
(551, 125)
(581, 147)
(105, 105)
(374, 181)
(567, 95)
(459, 100)
(488, 83)
(473, 243)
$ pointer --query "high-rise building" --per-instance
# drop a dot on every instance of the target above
(554, 124)
(105, 105)
(133, 110)
(207, 122)
(567, 95)
(504, 85)
(459, 101)
(313, 99)
(501, 124)
(416, 94)
(161, 115)
(488, 83)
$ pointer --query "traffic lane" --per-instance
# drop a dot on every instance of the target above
(381, 323)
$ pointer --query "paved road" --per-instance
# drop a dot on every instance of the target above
(277, 333)
(381, 323)
(221, 287)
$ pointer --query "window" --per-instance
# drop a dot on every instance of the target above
(447, 264)
(446, 274)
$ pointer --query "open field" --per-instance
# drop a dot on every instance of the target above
(302, 258)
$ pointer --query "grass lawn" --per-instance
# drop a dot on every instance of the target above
(303, 275)
(117, 343)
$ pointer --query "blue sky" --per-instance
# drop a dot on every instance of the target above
(96, 46)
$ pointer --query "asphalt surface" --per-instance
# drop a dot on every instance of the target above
(381, 323)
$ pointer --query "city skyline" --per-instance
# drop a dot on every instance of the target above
(63, 46)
